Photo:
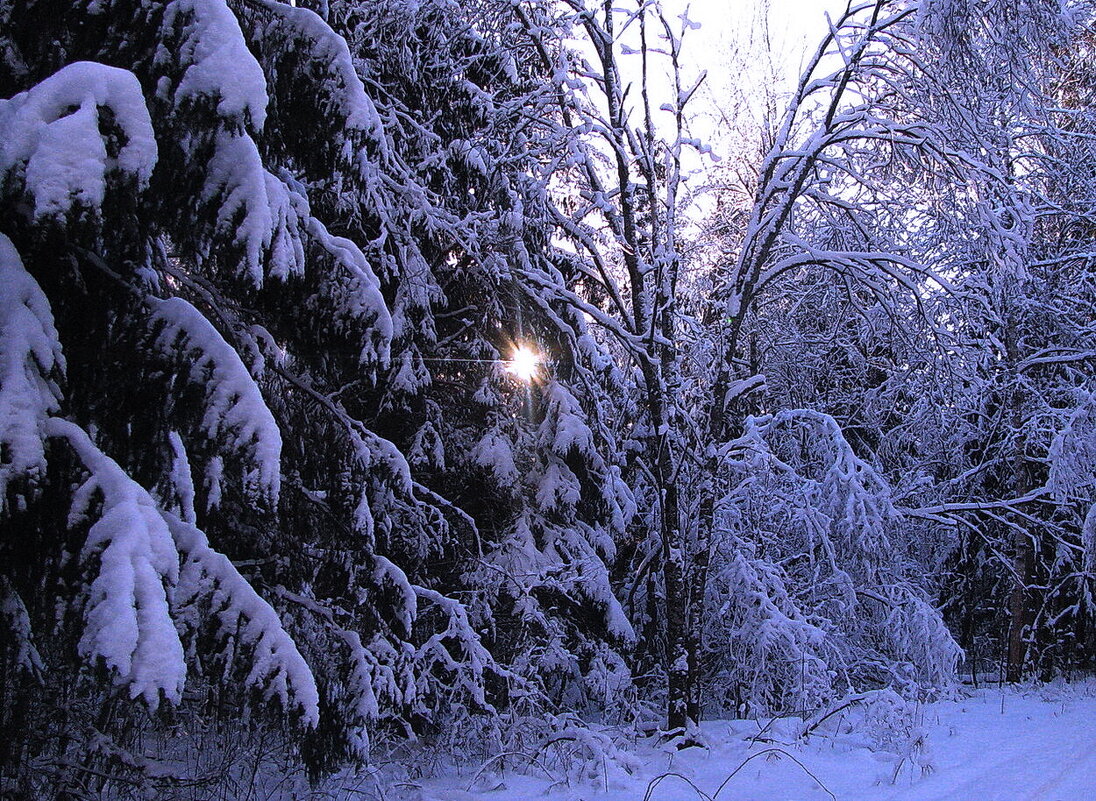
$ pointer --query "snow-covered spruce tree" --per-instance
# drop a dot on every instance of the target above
(529, 464)
(232, 245)
(144, 220)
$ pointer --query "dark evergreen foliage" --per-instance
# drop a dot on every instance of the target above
(275, 499)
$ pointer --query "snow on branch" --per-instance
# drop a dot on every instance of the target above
(255, 209)
(762, 636)
(465, 667)
(557, 487)
(584, 551)
(18, 636)
(353, 288)
(916, 633)
(495, 452)
(58, 141)
(312, 39)
(215, 61)
(1073, 453)
(810, 447)
(564, 427)
(127, 618)
(806, 512)
(234, 404)
(1073, 471)
(277, 666)
(30, 360)
(373, 677)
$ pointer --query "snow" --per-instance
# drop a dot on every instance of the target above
(386, 572)
(52, 133)
(181, 479)
(218, 63)
(852, 614)
(1088, 540)
(127, 618)
(234, 403)
(255, 209)
(213, 478)
(313, 35)
(494, 453)
(30, 355)
(471, 659)
(557, 487)
(564, 427)
(811, 589)
(1072, 454)
(993, 745)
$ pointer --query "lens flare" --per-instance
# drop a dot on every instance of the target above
(523, 363)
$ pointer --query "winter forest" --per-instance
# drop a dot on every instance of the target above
(390, 387)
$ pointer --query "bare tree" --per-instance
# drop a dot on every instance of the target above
(624, 186)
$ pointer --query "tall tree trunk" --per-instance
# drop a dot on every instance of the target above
(681, 660)
(1021, 613)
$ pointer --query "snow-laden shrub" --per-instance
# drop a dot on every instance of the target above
(812, 594)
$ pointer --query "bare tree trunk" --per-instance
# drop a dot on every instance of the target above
(681, 637)
(1021, 613)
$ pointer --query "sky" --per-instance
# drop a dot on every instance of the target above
(794, 26)
(750, 49)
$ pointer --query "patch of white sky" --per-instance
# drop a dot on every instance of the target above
(751, 52)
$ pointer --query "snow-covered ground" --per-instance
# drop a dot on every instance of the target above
(991, 745)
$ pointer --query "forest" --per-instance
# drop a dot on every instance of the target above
(382, 378)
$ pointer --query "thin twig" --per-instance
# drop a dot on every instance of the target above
(780, 752)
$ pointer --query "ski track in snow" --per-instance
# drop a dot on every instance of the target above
(1035, 745)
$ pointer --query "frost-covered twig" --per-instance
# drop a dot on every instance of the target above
(779, 752)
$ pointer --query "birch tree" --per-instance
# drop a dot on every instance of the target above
(625, 179)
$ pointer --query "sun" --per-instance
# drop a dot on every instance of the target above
(523, 363)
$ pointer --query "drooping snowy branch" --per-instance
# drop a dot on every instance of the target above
(30, 364)
(234, 403)
(304, 34)
(127, 617)
(1073, 453)
(810, 532)
(353, 290)
(253, 209)
(57, 140)
(456, 649)
(851, 500)
(210, 59)
(242, 617)
(18, 636)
